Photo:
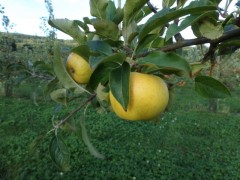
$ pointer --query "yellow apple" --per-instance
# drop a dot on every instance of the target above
(148, 98)
(78, 68)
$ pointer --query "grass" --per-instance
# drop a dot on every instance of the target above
(187, 143)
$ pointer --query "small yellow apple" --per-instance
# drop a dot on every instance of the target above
(148, 98)
(78, 68)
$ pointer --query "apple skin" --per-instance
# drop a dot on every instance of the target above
(78, 68)
(149, 97)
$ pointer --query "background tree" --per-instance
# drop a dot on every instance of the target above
(6, 56)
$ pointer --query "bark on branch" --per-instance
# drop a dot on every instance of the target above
(197, 41)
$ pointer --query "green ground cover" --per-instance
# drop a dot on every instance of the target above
(187, 143)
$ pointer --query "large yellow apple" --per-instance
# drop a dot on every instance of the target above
(148, 98)
(78, 68)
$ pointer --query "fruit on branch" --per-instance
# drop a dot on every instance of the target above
(78, 68)
(148, 97)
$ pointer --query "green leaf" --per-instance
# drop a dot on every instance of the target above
(93, 151)
(107, 29)
(61, 72)
(98, 8)
(131, 9)
(59, 96)
(99, 46)
(69, 27)
(94, 61)
(119, 84)
(43, 67)
(168, 3)
(82, 25)
(129, 32)
(142, 14)
(211, 88)
(100, 50)
(229, 47)
(111, 10)
(117, 58)
(196, 67)
(174, 29)
(83, 51)
(211, 31)
(158, 42)
(216, 2)
(16, 67)
(59, 153)
(101, 74)
(33, 146)
(102, 95)
(145, 42)
(181, 3)
(51, 85)
(118, 17)
(168, 62)
(87, 20)
(164, 16)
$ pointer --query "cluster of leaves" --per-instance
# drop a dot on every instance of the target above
(118, 40)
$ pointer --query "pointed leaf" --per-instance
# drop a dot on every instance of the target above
(196, 68)
(174, 29)
(118, 17)
(145, 42)
(101, 74)
(142, 14)
(59, 153)
(167, 61)
(82, 25)
(117, 58)
(168, 3)
(211, 88)
(98, 8)
(119, 84)
(69, 27)
(131, 9)
(99, 46)
(164, 16)
(229, 47)
(51, 85)
(129, 32)
(59, 96)
(87, 141)
(111, 10)
(33, 146)
(107, 29)
(181, 3)
(94, 61)
(43, 67)
(83, 51)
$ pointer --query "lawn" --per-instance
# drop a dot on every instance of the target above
(189, 142)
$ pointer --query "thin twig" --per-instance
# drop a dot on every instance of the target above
(75, 111)
(210, 54)
(197, 41)
(153, 9)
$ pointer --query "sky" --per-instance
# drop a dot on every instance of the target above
(26, 14)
